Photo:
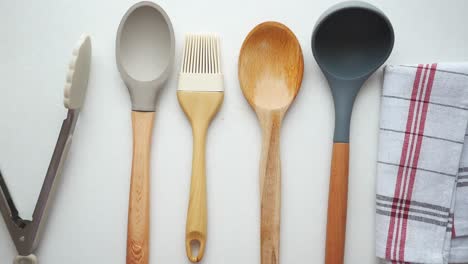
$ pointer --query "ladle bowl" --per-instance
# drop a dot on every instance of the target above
(351, 40)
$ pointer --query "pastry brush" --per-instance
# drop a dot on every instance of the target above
(200, 93)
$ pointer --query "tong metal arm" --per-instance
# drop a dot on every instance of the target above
(25, 233)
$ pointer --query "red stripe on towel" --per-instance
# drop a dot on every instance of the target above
(422, 124)
(406, 173)
(404, 153)
(454, 234)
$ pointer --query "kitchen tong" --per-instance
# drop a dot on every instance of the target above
(25, 233)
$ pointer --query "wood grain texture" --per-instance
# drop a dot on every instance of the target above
(337, 204)
(270, 186)
(200, 108)
(270, 73)
(271, 66)
(139, 203)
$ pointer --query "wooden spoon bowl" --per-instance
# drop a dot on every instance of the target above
(270, 73)
(271, 66)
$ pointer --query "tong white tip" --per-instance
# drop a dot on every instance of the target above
(31, 259)
(78, 74)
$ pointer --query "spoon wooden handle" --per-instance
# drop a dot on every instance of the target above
(337, 204)
(270, 188)
(139, 204)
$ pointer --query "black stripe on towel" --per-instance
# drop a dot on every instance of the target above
(415, 218)
(414, 203)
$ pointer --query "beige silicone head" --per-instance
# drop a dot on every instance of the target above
(145, 52)
(78, 74)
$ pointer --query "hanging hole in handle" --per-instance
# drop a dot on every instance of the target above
(195, 247)
(195, 250)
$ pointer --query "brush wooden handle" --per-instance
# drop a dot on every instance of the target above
(200, 108)
(337, 204)
(139, 204)
(197, 211)
(270, 186)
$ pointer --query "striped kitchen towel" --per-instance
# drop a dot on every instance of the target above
(422, 170)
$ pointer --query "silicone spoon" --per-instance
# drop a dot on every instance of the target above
(350, 41)
(145, 53)
(270, 74)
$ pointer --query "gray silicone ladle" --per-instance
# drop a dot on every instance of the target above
(350, 41)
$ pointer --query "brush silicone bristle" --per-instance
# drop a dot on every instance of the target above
(78, 74)
(201, 64)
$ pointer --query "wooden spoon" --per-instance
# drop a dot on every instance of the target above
(270, 73)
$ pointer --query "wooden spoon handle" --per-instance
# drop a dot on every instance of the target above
(270, 189)
(139, 204)
(337, 204)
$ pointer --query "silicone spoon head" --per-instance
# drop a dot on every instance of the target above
(145, 52)
(270, 67)
(350, 41)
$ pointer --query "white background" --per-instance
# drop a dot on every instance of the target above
(89, 217)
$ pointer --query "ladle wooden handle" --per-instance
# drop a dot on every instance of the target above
(139, 204)
(270, 188)
(337, 204)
